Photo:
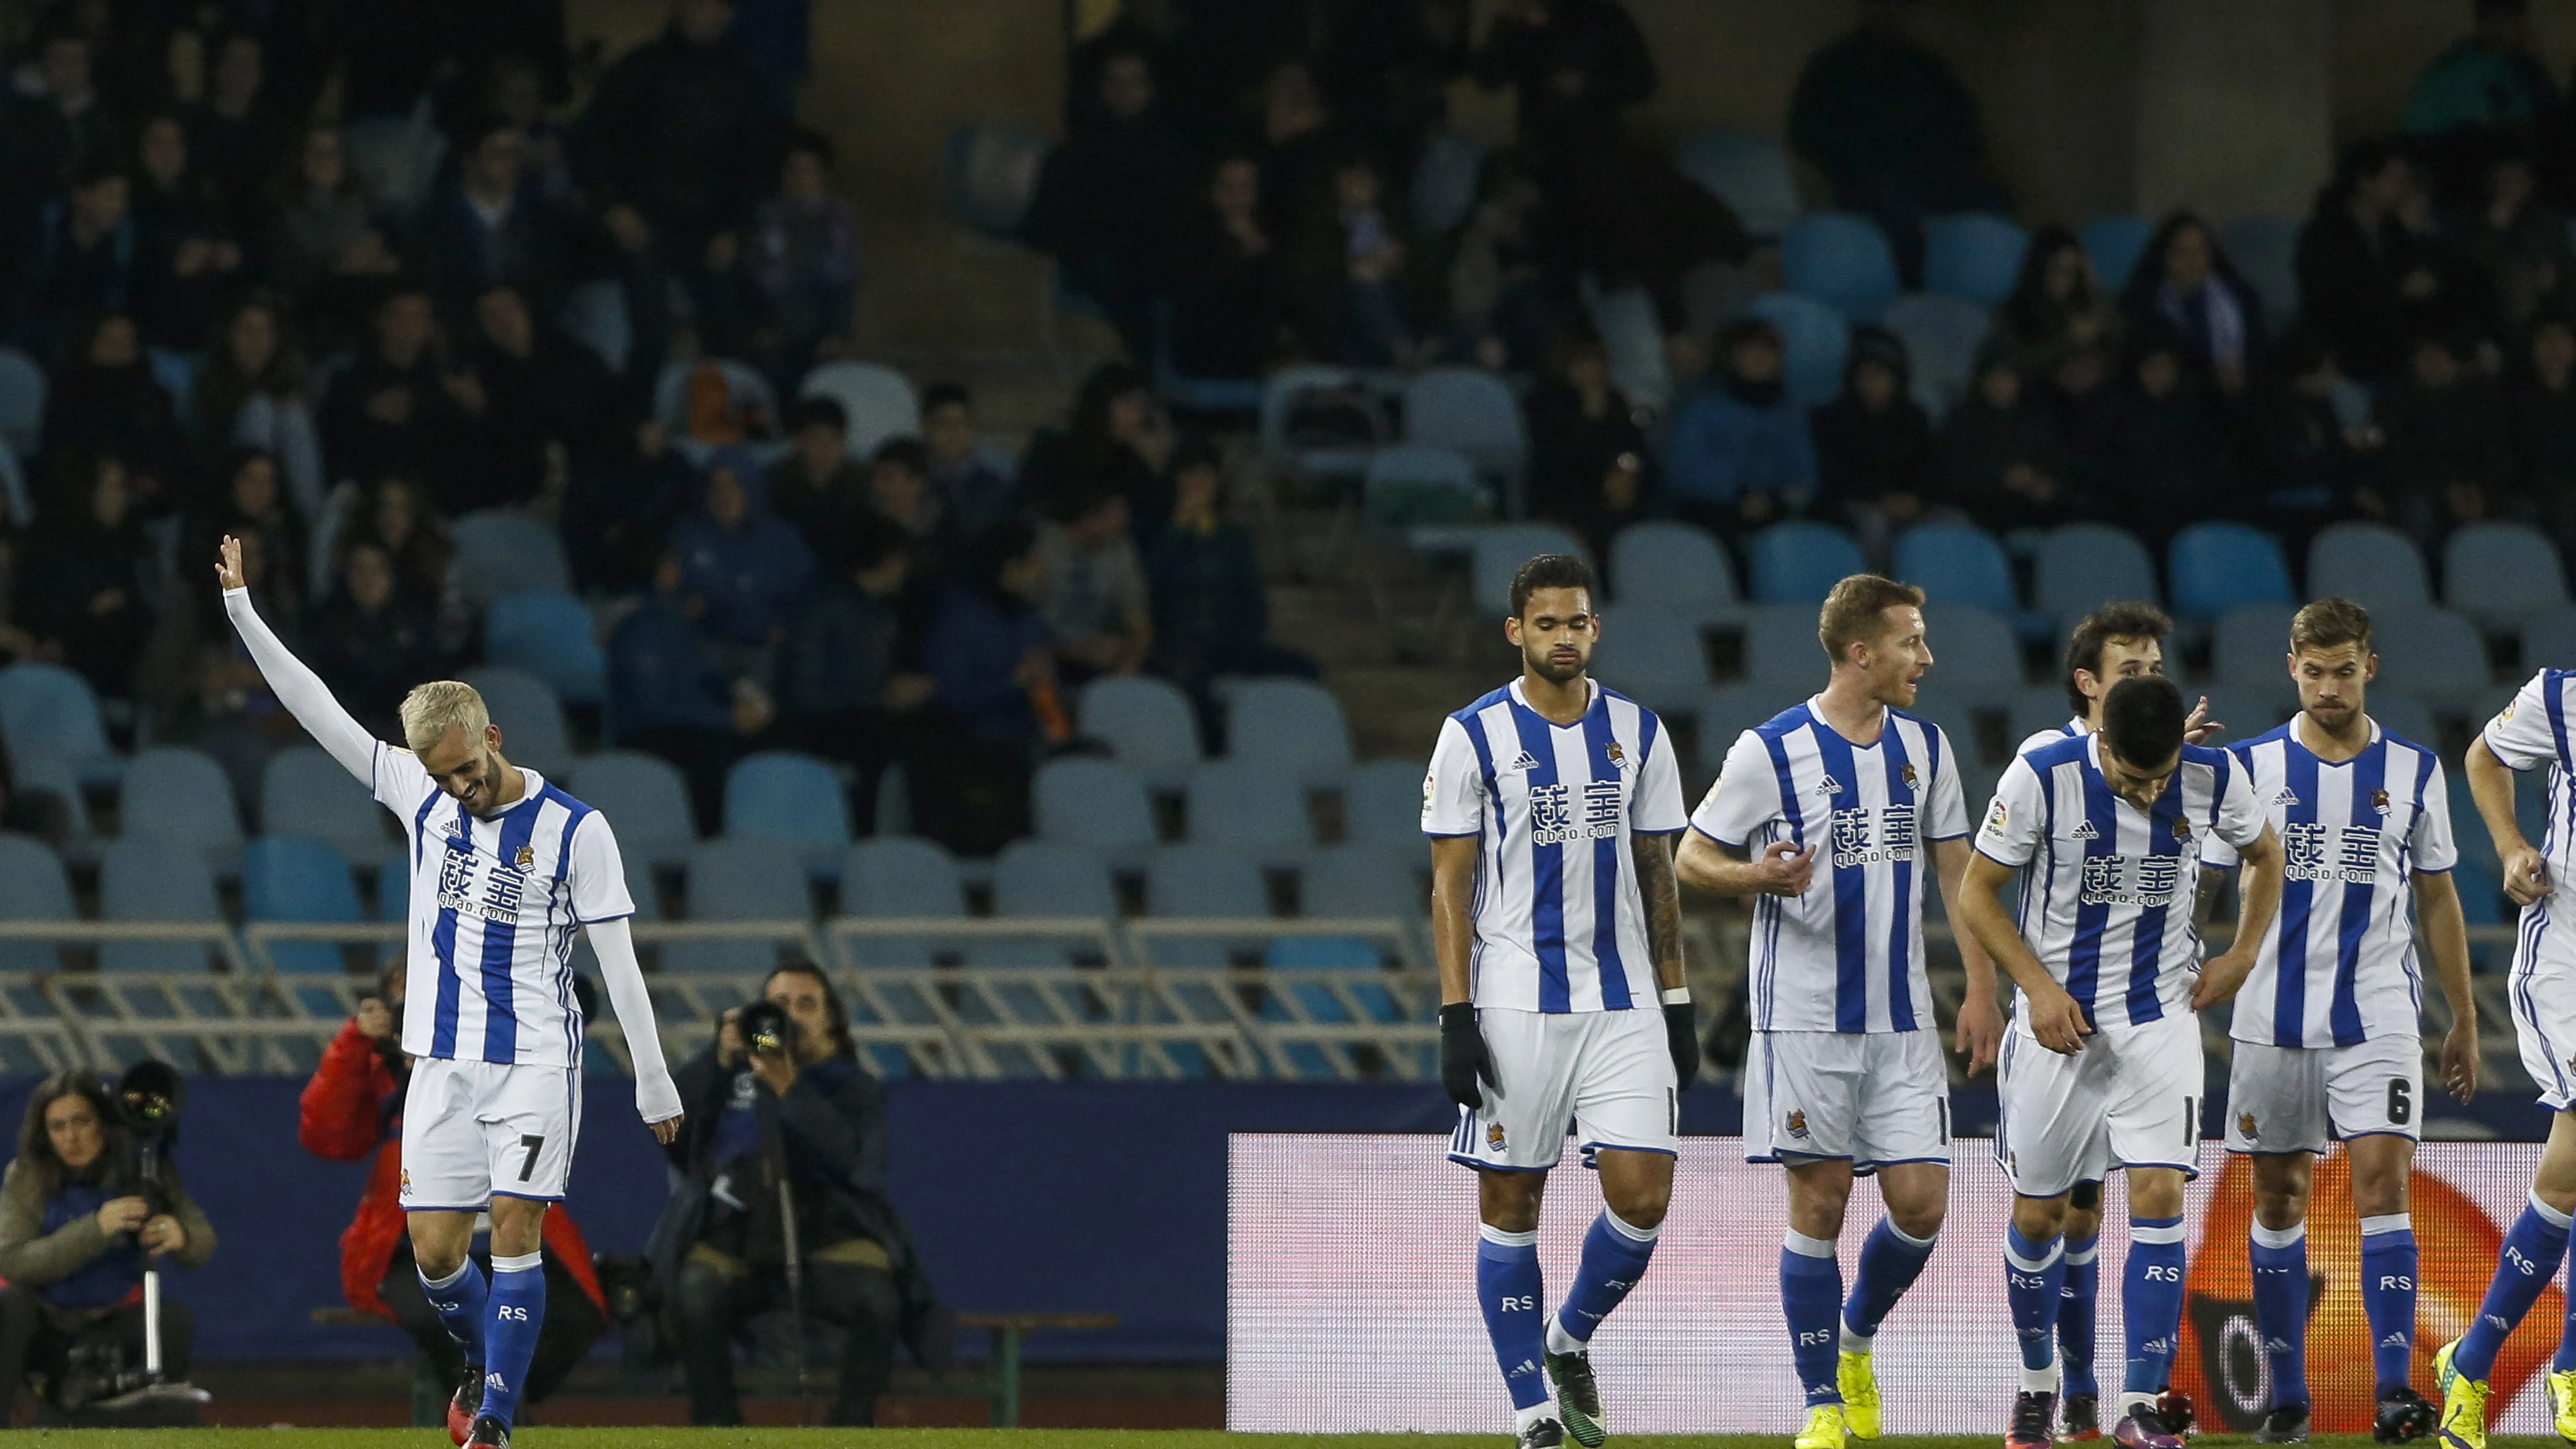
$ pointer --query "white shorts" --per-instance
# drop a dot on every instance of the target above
(2130, 1098)
(1608, 1075)
(473, 1131)
(2293, 1099)
(1878, 1098)
(2543, 992)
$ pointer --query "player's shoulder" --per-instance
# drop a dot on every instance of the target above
(2043, 754)
(2221, 758)
(2394, 742)
(2245, 749)
(1618, 704)
(1787, 722)
(1482, 703)
(1933, 735)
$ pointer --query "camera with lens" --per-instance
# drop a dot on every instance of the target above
(767, 1029)
(148, 1098)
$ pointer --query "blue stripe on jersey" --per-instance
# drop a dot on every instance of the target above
(2290, 983)
(1605, 863)
(442, 944)
(1471, 719)
(565, 997)
(1774, 737)
(1547, 867)
(500, 1001)
(2165, 826)
(1851, 889)
(1900, 935)
(2084, 956)
(2553, 692)
(2369, 778)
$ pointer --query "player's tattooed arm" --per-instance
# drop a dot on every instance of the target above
(1662, 893)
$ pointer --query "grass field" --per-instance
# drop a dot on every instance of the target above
(545, 1438)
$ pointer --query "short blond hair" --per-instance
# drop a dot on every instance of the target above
(2328, 624)
(1851, 612)
(432, 709)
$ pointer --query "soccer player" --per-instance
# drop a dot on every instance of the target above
(2103, 1061)
(1551, 805)
(1844, 1075)
(2530, 731)
(504, 868)
(2326, 1040)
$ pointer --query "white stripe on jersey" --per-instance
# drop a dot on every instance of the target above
(1560, 924)
(1848, 955)
(2338, 966)
(2074, 729)
(2530, 731)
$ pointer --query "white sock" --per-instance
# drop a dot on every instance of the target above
(1543, 1409)
(1856, 1343)
(2041, 1380)
(2132, 1401)
(1560, 1341)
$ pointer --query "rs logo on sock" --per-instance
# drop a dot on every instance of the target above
(509, 1310)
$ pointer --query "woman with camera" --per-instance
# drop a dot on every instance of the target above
(76, 1227)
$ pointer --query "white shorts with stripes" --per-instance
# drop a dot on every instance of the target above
(473, 1131)
(2543, 992)
(2129, 1097)
(1606, 1076)
(1876, 1097)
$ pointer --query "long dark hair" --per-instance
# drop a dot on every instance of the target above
(2028, 309)
(832, 1007)
(36, 1145)
(2138, 298)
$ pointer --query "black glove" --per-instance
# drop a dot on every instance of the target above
(1681, 1033)
(1462, 1055)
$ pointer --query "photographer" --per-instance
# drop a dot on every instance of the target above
(782, 1091)
(75, 1228)
(353, 1107)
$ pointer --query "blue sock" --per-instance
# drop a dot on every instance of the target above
(2388, 1295)
(2280, 1260)
(518, 1314)
(1811, 1298)
(2075, 1316)
(2034, 1274)
(2151, 1301)
(460, 1301)
(2528, 1264)
(1889, 1263)
(1614, 1258)
(1508, 1287)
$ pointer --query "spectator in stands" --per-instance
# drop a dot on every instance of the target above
(669, 695)
(903, 509)
(2544, 420)
(1385, 70)
(542, 400)
(2186, 281)
(2161, 452)
(2519, 246)
(373, 639)
(2488, 92)
(1874, 445)
(2057, 303)
(486, 227)
(817, 485)
(743, 570)
(2305, 462)
(1351, 265)
(621, 505)
(1107, 197)
(84, 260)
(1211, 611)
(61, 131)
(1230, 301)
(396, 406)
(2367, 275)
(1575, 66)
(2080, 398)
(2449, 450)
(1118, 439)
(248, 495)
(398, 515)
(848, 687)
(1094, 600)
(322, 237)
(250, 391)
(105, 398)
(1999, 458)
(1740, 456)
(988, 651)
(185, 257)
(1892, 129)
(974, 484)
(77, 1228)
(83, 580)
(801, 266)
(234, 133)
(1297, 150)
(1588, 459)
(804, 1110)
(1501, 314)
(514, 89)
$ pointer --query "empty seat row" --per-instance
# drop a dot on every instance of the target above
(1244, 805)
(1296, 725)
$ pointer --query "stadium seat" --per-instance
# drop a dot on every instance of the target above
(1446, 179)
(1974, 255)
(1954, 710)
(1748, 171)
(1092, 803)
(895, 876)
(1146, 722)
(1292, 392)
(2082, 566)
(1653, 656)
(2435, 655)
(1957, 563)
(1033, 878)
(645, 798)
(22, 402)
(2250, 649)
(550, 634)
(150, 878)
(989, 173)
(533, 731)
(1676, 566)
(2549, 640)
(1382, 803)
(1730, 709)
(1781, 650)
(1189, 881)
(1295, 724)
(2242, 713)
(2217, 566)
(878, 403)
(2041, 707)
(501, 551)
(298, 878)
(304, 792)
(1498, 552)
(2499, 573)
(1941, 336)
(595, 315)
(1414, 483)
(1817, 340)
(2265, 250)
(2371, 564)
(48, 710)
(1799, 563)
(1841, 259)
(181, 795)
(1250, 806)
(1362, 881)
(2408, 718)
(1975, 655)
(33, 887)
(1633, 335)
(2115, 242)
(742, 878)
(784, 795)
(1474, 412)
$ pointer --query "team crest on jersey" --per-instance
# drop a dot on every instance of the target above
(2379, 801)
(2245, 1124)
(527, 858)
(2085, 831)
(406, 1181)
(1618, 756)
(1796, 1122)
(1494, 1135)
(2182, 831)
(1906, 773)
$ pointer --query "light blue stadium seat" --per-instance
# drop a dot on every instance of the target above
(2549, 640)
(22, 402)
(1730, 709)
(2435, 655)
(1417, 483)
(989, 173)
(1147, 723)
(501, 551)
(1974, 255)
(1781, 650)
(2371, 564)
(1252, 807)
(2265, 250)
(551, 635)
(149, 878)
(1498, 553)
(1816, 342)
(1675, 566)
(48, 710)
(644, 798)
(1382, 803)
(878, 403)
(1192, 881)
(1974, 653)
(1652, 655)
(1941, 336)
(2217, 566)
(2042, 707)
(182, 795)
(2406, 717)
(533, 730)
(2115, 241)
(1445, 181)
(1039, 878)
(33, 887)
(895, 876)
(1363, 880)
(1800, 562)
(299, 878)
(1748, 171)
(1295, 724)
(304, 792)
(1092, 803)
(1281, 394)
(742, 878)
(1957, 563)
(2250, 649)
(2082, 566)
(1841, 259)
(1472, 411)
(2498, 573)
(784, 795)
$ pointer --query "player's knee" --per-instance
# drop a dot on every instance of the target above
(2283, 1205)
(438, 1261)
(1509, 1200)
(1642, 1205)
(2039, 1218)
(1919, 1218)
(2155, 1195)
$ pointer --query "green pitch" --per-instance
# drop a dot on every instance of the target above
(545, 1438)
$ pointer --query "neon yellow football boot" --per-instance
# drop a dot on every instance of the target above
(2464, 1402)
(1826, 1429)
(1857, 1376)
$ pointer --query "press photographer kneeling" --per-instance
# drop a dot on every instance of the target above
(781, 1096)
(79, 1222)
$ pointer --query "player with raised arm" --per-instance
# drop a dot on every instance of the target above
(505, 867)
(1551, 807)
(2103, 1062)
(2326, 1037)
(2531, 731)
(1844, 1075)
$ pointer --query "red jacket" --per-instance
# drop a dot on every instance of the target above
(348, 1112)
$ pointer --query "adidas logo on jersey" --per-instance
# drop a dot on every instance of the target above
(1521, 764)
(2085, 831)
(2286, 797)
(1829, 786)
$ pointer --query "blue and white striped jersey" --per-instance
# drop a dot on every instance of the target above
(2106, 904)
(494, 904)
(1848, 955)
(1560, 924)
(2532, 730)
(2338, 966)
(2075, 728)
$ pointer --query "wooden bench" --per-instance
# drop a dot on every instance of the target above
(1002, 1368)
